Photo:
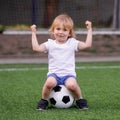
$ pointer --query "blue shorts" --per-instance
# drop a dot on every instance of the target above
(60, 79)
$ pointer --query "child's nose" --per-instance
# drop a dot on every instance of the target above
(61, 31)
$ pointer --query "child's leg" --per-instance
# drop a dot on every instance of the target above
(49, 84)
(73, 86)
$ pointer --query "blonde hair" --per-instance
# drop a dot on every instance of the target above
(66, 21)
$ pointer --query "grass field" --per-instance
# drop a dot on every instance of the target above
(20, 90)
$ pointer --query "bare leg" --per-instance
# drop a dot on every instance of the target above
(49, 84)
(72, 85)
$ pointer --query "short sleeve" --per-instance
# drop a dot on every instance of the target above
(74, 43)
(47, 43)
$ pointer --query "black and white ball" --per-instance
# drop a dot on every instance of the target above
(61, 97)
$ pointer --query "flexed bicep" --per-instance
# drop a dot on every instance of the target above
(35, 45)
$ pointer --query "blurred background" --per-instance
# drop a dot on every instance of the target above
(16, 16)
(103, 13)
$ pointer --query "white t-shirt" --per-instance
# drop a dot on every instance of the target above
(61, 57)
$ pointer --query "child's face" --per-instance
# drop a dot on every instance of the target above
(61, 33)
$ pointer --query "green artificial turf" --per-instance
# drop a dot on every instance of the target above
(21, 85)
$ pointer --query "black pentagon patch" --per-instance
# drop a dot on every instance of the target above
(53, 101)
(66, 99)
(57, 88)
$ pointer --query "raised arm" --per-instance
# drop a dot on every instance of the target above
(88, 43)
(35, 46)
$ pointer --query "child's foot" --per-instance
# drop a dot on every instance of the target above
(82, 104)
(42, 105)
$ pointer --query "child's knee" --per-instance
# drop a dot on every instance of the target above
(50, 83)
(71, 85)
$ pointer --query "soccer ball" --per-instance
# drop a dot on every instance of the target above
(61, 97)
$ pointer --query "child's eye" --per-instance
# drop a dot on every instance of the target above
(65, 29)
(58, 28)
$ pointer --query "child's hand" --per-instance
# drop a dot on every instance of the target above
(33, 28)
(88, 24)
